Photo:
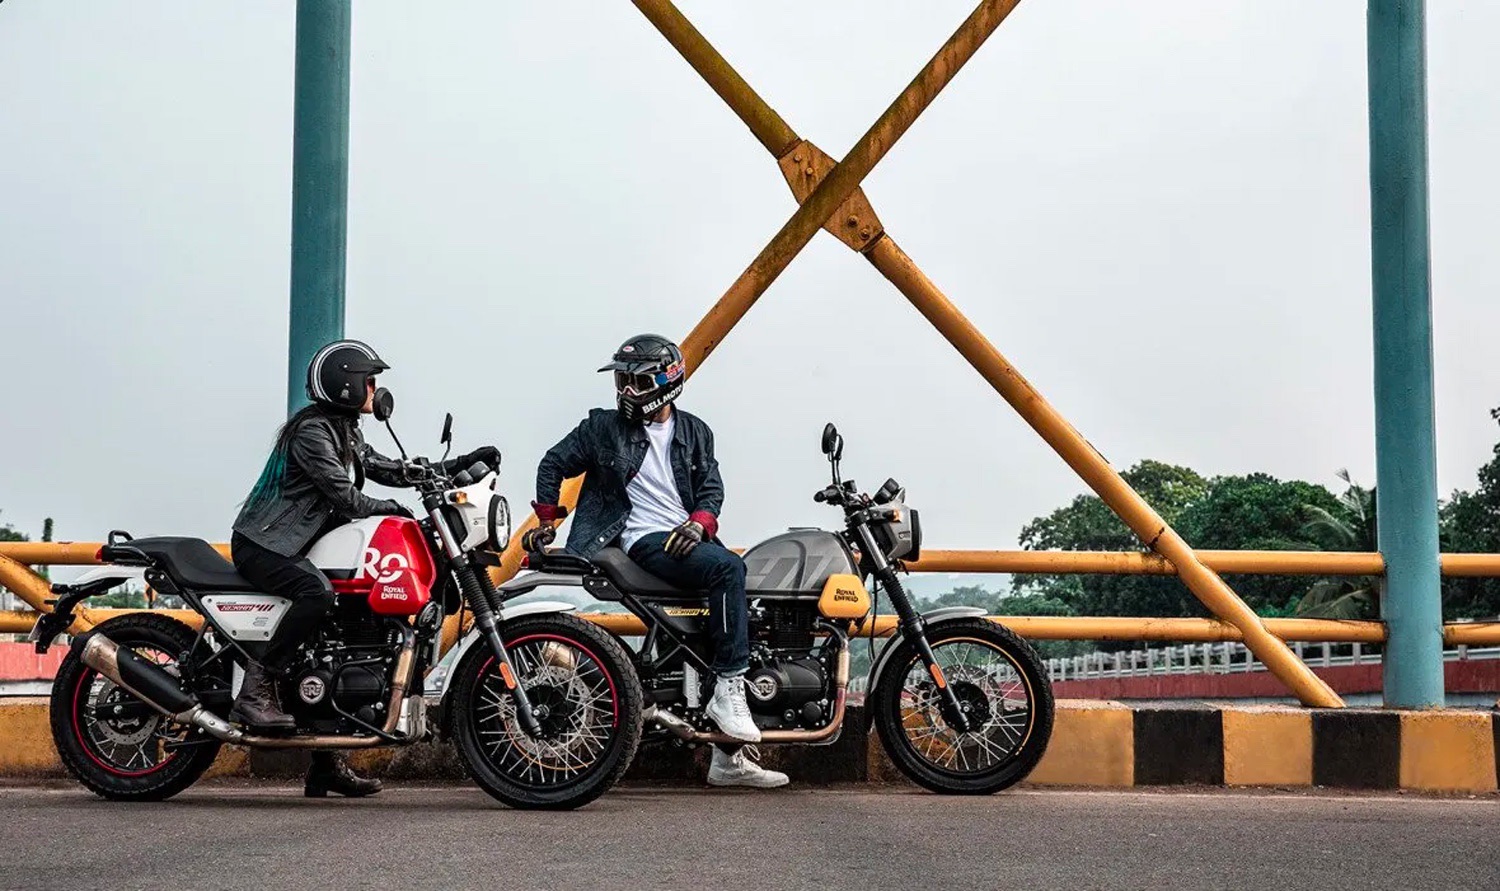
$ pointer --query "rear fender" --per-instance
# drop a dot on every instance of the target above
(929, 619)
(90, 584)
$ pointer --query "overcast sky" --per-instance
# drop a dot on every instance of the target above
(1158, 210)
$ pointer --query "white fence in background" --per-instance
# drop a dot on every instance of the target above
(1223, 658)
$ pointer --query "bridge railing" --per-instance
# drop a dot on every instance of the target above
(18, 558)
(1229, 657)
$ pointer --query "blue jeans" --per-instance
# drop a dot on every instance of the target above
(719, 571)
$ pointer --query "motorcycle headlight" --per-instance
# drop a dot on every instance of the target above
(499, 523)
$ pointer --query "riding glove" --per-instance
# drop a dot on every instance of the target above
(486, 455)
(681, 541)
(536, 539)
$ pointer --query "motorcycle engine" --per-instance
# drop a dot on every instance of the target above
(787, 690)
(360, 690)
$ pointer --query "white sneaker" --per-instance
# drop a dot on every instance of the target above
(739, 770)
(729, 710)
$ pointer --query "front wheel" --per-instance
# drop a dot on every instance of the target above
(584, 692)
(1003, 691)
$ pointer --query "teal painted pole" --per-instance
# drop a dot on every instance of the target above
(320, 186)
(1405, 437)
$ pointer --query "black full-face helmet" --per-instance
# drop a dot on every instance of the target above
(338, 375)
(649, 373)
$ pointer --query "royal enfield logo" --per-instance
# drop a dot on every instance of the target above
(312, 689)
(391, 592)
(243, 607)
(845, 595)
(384, 568)
(762, 688)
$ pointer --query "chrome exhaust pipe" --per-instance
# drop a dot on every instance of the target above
(151, 684)
(687, 732)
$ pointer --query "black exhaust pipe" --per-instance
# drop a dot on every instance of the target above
(148, 681)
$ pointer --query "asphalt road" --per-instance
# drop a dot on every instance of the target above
(268, 837)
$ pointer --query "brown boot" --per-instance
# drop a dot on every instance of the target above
(330, 772)
(256, 705)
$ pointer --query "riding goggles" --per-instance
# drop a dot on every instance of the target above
(640, 383)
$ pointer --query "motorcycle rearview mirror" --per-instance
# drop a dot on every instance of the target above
(384, 405)
(447, 438)
(833, 443)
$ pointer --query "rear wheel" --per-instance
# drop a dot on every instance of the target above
(1005, 696)
(116, 745)
(584, 692)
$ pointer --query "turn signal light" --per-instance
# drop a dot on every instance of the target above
(460, 497)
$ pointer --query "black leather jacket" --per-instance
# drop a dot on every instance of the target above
(611, 451)
(317, 488)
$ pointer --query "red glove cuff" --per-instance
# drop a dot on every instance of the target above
(708, 521)
(547, 513)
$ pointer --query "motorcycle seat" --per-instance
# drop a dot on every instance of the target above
(191, 563)
(627, 575)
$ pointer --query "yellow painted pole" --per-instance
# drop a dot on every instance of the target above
(26, 584)
(938, 560)
(844, 179)
(1031, 627)
(775, 135)
(1147, 524)
(1144, 628)
(766, 125)
(1142, 563)
(830, 193)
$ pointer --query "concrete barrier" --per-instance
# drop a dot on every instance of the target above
(1094, 743)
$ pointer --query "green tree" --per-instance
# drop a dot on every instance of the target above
(1348, 527)
(1471, 524)
(1256, 511)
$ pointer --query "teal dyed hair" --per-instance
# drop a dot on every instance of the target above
(268, 487)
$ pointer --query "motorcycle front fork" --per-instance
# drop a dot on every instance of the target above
(477, 590)
(914, 631)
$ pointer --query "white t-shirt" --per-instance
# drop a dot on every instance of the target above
(655, 505)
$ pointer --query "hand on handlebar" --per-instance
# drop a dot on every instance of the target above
(536, 540)
(393, 508)
(489, 456)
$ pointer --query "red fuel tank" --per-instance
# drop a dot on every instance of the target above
(395, 571)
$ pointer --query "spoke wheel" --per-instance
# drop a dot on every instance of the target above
(115, 732)
(584, 693)
(116, 745)
(1001, 691)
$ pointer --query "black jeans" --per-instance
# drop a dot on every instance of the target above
(720, 571)
(294, 578)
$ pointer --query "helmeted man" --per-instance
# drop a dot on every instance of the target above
(653, 487)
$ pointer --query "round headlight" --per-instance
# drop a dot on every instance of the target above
(499, 523)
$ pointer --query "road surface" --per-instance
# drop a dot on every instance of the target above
(267, 837)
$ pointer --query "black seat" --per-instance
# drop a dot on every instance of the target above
(625, 574)
(191, 563)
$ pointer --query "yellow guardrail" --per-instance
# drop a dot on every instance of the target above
(16, 559)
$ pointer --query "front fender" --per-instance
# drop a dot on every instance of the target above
(435, 685)
(929, 618)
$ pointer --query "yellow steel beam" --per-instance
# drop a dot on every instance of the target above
(832, 191)
(1143, 520)
(1143, 563)
(1032, 627)
(1140, 628)
(938, 560)
(899, 269)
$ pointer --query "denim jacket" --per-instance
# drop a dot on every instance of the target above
(611, 452)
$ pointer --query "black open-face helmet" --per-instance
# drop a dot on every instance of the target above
(649, 373)
(339, 373)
